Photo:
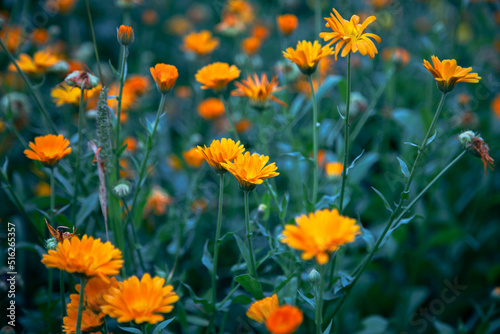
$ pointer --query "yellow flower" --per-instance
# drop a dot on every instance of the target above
(261, 309)
(287, 23)
(42, 189)
(211, 108)
(307, 55)
(216, 76)
(320, 233)
(201, 43)
(140, 301)
(219, 152)
(350, 35)
(125, 35)
(284, 320)
(95, 290)
(87, 257)
(448, 74)
(193, 157)
(164, 76)
(48, 149)
(157, 201)
(258, 91)
(334, 169)
(41, 61)
(251, 170)
(64, 94)
(90, 319)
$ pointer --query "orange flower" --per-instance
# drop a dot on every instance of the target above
(60, 6)
(157, 201)
(87, 257)
(258, 91)
(320, 233)
(140, 301)
(287, 23)
(48, 149)
(251, 170)
(95, 289)
(42, 189)
(131, 143)
(134, 87)
(201, 43)
(243, 125)
(242, 9)
(216, 76)
(125, 35)
(90, 319)
(193, 157)
(495, 105)
(64, 94)
(448, 74)
(41, 61)
(261, 309)
(174, 162)
(260, 31)
(183, 92)
(379, 4)
(164, 76)
(40, 36)
(399, 56)
(251, 45)
(350, 35)
(307, 55)
(231, 25)
(334, 169)
(12, 37)
(149, 17)
(219, 152)
(284, 320)
(211, 108)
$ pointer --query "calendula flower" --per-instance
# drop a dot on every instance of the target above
(164, 76)
(216, 76)
(140, 301)
(350, 35)
(95, 289)
(284, 320)
(495, 105)
(261, 309)
(287, 23)
(251, 45)
(12, 37)
(60, 6)
(320, 233)
(134, 87)
(86, 257)
(399, 56)
(131, 143)
(250, 170)
(48, 149)
(243, 125)
(157, 201)
(219, 152)
(41, 61)
(211, 108)
(448, 74)
(193, 157)
(307, 55)
(260, 31)
(259, 91)
(177, 25)
(201, 43)
(125, 35)
(242, 9)
(231, 25)
(334, 169)
(90, 319)
(64, 94)
(40, 36)
(477, 147)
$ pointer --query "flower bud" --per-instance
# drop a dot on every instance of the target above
(51, 243)
(314, 277)
(465, 138)
(125, 35)
(122, 189)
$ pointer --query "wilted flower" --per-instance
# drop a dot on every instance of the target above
(216, 76)
(125, 35)
(164, 76)
(287, 23)
(259, 91)
(81, 79)
(48, 149)
(448, 74)
(59, 233)
(320, 233)
(193, 157)
(211, 108)
(219, 152)
(251, 170)
(307, 55)
(201, 43)
(477, 147)
(140, 301)
(350, 35)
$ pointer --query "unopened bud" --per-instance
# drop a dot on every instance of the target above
(465, 138)
(51, 243)
(314, 277)
(125, 35)
(122, 189)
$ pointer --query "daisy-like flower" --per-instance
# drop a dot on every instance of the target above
(86, 257)
(201, 43)
(350, 35)
(63, 94)
(220, 152)
(193, 157)
(448, 74)
(164, 76)
(125, 35)
(134, 87)
(90, 319)
(320, 233)
(140, 301)
(216, 76)
(261, 309)
(48, 149)
(258, 91)
(251, 170)
(284, 320)
(211, 108)
(41, 61)
(157, 201)
(95, 289)
(307, 55)
(287, 23)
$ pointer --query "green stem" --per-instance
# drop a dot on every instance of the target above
(134, 234)
(83, 283)
(144, 328)
(392, 219)
(229, 117)
(61, 289)
(346, 134)
(32, 90)
(319, 300)
(95, 43)
(52, 195)
(252, 270)
(78, 154)
(119, 111)
(216, 243)
(315, 141)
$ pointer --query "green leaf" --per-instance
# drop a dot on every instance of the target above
(284, 206)
(241, 299)
(386, 204)
(374, 324)
(88, 205)
(343, 281)
(207, 259)
(130, 330)
(442, 327)
(251, 285)
(310, 301)
(245, 253)
(329, 328)
(368, 237)
(431, 139)
(158, 329)
(326, 201)
(197, 321)
(404, 168)
(113, 69)
(411, 144)
(307, 204)
(197, 300)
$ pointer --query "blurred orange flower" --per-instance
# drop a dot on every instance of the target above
(260, 31)
(131, 143)
(42, 189)
(95, 289)
(12, 37)
(284, 320)
(211, 108)
(41, 61)
(219, 152)
(90, 319)
(193, 157)
(251, 45)
(164, 76)
(250, 170)
(258, 91)
(149, 17)
(399, 56)
(60, 6)
(287, 23)
(40, 36)
(201, 43)
(350, 35)
(177, 25)
(48, 149)
(448, 74)
(157, 201)
(216, 76)
(495, 105)
(307, 55)
(134, 87)
(243, 125)
(242, 9)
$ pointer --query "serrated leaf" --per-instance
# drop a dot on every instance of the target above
(386, 204)
(130, 330)
(431, 139)
(207, 259)
(162, 325)
(251, 285)
(404, 168)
